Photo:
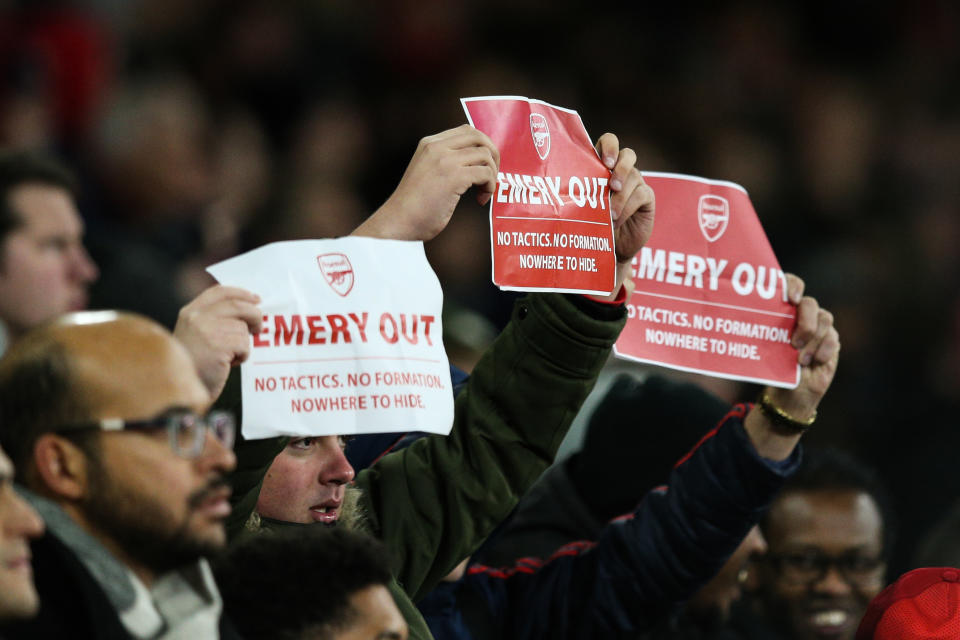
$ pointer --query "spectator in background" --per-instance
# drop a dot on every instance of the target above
(44, 268)
(829, 533)
(101, 414)
(336, 589)
(19, 523)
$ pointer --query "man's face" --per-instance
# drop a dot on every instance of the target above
(44, 269)
(824, 563)
(712, 603)
(18, 523)
(146, 502)
(306, 482)
(376, 617)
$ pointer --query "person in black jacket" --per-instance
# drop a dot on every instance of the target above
(633, 577)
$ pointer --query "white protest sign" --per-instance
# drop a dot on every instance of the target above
(351, 339)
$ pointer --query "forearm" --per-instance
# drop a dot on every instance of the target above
(387, 225)
(769, 441)
(639, 569)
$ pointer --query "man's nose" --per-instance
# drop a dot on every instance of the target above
(832, 583)
(216, 455)
(83, 268)
(756, 541)
(339, 470)
(23, 520)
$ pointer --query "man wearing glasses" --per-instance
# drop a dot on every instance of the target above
(829, 537)
(101, 413)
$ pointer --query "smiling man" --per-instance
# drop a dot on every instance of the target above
(101, 413)
(829, 534)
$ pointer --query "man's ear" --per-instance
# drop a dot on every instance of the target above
(60, 467)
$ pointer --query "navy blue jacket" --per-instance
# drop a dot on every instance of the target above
(641, 567)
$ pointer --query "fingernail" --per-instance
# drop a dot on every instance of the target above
(798, 342)
(610, 161)
(616, 185)
(806, 359)
(614, 213)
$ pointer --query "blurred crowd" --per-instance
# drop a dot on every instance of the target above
(203, 128)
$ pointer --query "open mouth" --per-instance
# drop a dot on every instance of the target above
(327, 513)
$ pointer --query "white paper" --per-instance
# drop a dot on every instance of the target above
(370, 357)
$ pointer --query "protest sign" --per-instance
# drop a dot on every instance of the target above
(550, 225)
(710, 296)
(351, 339)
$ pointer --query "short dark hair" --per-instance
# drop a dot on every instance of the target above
(832, 469)
(36, 396)
(284, 583)
(28, 167)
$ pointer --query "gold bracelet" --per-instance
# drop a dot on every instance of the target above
(781, 418)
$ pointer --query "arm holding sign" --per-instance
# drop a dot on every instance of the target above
(442, 169)
(447, 164)
(775, 425)
(436, 501)
(632, 205)
(677, 539)
(215, 328)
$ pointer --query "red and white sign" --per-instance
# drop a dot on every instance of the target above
(550, 225)
(351, 340)
(710, 296)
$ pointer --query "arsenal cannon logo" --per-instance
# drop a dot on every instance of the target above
(713, 213)
(337, 271)
(541, 135)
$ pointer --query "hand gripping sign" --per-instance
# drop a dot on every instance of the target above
(710, 296)
(550, 225)
(351, 340)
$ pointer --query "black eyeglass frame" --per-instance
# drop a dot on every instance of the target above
(873, 569)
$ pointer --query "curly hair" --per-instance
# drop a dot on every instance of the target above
(287, 583)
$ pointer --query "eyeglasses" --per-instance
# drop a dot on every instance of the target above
(186, 430)
(811, 566)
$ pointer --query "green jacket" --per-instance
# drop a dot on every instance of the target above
(434, 502)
